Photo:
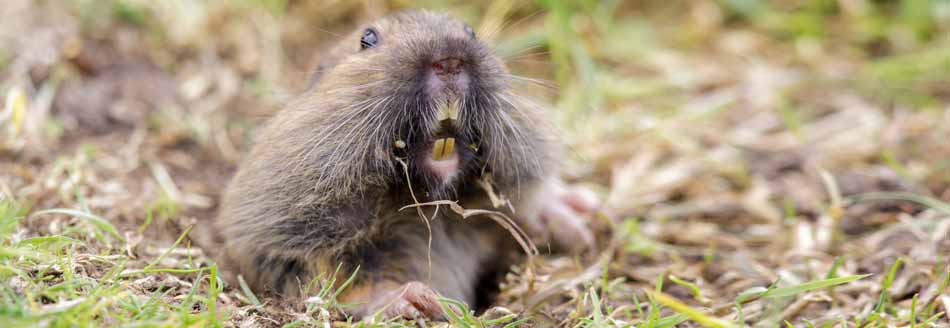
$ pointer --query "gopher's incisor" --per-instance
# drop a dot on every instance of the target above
(325, 182)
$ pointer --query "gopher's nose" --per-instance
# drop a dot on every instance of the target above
(447, 68)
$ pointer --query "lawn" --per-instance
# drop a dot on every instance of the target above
(761, 163)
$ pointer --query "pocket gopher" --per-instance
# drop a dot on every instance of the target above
(411, 108)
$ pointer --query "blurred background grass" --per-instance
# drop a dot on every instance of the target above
(733, 141)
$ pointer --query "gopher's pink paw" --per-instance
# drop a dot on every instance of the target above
(564, 214)
(412, 300)
(582, 200)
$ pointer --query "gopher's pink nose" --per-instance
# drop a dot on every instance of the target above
(447, 68)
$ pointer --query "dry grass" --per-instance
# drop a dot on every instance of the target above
(763, 163)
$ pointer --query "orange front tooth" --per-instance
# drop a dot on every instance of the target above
(449, 147)
(438, 149)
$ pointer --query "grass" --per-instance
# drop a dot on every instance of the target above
(785, 162)
(48, 280)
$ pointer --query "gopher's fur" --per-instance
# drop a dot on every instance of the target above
(323, 186)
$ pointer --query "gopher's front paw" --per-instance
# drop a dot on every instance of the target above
(564, 212)
(412, 300)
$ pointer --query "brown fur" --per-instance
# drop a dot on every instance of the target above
(323, 185)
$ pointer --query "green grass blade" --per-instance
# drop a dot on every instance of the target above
(44, 240)
(833, 271)
(811, 285)
(96, 220)
(697, 294)
(517, 323)
(919, 199)
(693, 314)
(462, 318)
(669, 321)
(248, 293)
(169, 250)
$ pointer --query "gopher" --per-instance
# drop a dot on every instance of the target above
(411, 108)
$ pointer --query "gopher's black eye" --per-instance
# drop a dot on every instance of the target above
(369, 39)
(470, 31)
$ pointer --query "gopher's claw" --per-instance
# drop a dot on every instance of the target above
(412, 300)
(565, 216)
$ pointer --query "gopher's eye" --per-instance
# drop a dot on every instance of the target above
(470, 31)
(369, 39)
